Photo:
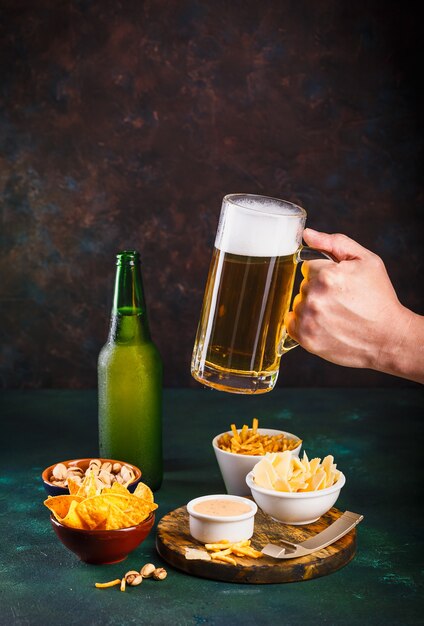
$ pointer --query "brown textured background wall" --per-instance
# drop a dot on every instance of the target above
(123, 124)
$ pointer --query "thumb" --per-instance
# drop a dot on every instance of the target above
(340, 246)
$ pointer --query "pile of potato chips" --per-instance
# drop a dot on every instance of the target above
(281, 471)
(89, 507)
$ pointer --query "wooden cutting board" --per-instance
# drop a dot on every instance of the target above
(173, 538)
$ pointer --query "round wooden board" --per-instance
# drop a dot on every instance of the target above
(173, 537)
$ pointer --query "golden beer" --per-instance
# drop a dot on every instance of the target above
(241, 327)
(241, 334)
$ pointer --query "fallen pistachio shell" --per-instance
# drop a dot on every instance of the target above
(147, 570)
(133, 578)
(160, 573)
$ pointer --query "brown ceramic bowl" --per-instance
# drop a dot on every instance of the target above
(101, 547)
(54, 490)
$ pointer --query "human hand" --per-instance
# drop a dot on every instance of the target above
(348, 312)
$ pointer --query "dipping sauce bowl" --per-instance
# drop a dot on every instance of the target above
(221, 517)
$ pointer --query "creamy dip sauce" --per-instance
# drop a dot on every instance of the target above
(222, 508)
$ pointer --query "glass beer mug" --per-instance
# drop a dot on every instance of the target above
(241, 335)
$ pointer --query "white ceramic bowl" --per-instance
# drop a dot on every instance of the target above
(211, 529)
(234, 467)
(295, 508)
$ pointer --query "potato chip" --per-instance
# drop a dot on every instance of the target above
(88, 486)
(141, 510)
(137, 508)
(281, 484)
(144, 492)
(117, 518)
(94, 510)
(194, 554)
(59, 505)
(116, 488)
(105, 508)
(283, 472)
(72, 518)
(73, 486)
(281, 465)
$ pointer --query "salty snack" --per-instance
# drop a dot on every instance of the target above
(159, 574)
(106, 473)
(90, 507)
(194, 554)
(133, 578)
(249, 441)
(283, 472)
(223, 550)
(147, 570)
(111, 583)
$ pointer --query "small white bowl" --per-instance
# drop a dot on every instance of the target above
(298, 508)
(234, 467)
(212, 529)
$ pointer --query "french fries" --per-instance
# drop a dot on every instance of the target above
(249, 441)
(223, 550)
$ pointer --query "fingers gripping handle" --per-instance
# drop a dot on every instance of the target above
(303, 254)
(311, 254)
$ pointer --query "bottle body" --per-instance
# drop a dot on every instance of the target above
(130, 393)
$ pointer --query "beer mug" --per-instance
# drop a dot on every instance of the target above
(241, 335)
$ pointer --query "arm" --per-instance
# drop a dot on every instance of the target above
(348, 312)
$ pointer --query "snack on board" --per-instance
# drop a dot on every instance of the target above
(106, 473)
(283, 472)
(92, 508)
(194, 554)
(249, 441)
(223, 550)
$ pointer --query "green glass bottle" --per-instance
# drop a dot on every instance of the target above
(130, 379)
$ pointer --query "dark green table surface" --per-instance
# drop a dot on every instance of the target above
(375, 436)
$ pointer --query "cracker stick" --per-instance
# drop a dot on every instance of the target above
(226, 559)
(216, 555)
(243, 434)
(235, 432)
(251, 439)
(248, 551)
(111, 583)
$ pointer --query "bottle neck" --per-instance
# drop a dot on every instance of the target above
(129, 316)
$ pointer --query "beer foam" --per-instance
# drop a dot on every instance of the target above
(259, 227)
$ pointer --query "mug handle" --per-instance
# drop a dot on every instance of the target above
(303, 254)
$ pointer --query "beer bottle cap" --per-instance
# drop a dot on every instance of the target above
(127, 256)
